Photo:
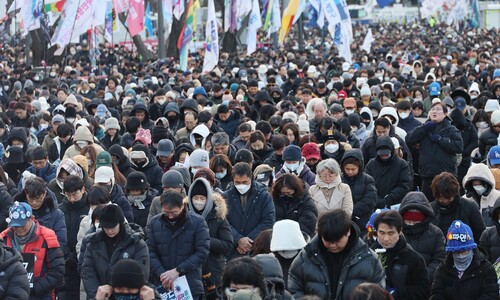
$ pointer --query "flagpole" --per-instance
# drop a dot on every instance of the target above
(160, 30)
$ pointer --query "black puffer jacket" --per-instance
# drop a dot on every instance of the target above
(490, 239)
(393, 178)
(14, 281)
(5, 203)
(118, 197)
(459, 209)
(124, 162)
(273, 275)
(437, 157)
(146, 123)
(479, 280)
(363, 190)
(309, 272)
(97, 265)
(369, 147)
(405, 271)
(424, 237)
(469, 138)
(152, 171)
(274, 161)
(73, 214)
(300, 209)
(487, 139)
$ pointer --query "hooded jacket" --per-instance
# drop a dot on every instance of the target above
(300, 209)
(391, 111)
(19, 133)
(363, 190)
(393, 178)
(437, 157)
(146, 123)
(231, 124)
(273, 276)
(124, 161)
(97, 265)
(202, 130)
(370, 126)
(173, 107)
(479, 280)
(56, 186)
(424, 237)
(221, 239)
(58, 149)
(490, 239)
(486, 201)
(151, 169)
(304, 173)
(14, 284)
(341, 197)
(309, 272)
(82, 134)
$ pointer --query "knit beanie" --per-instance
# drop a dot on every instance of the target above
(127, 273)
(199, 189)
(495, 117)
(172, 179)
(354, 120)
(199, 158)
(459, 237)
(206, 173)
(111, 123)
(292, 153)
(111, 216)
(143, 136)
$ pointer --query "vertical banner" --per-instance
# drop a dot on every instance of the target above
(254, 23)
(185, 37)
(121, 5)
(135, 18)
(212, 40)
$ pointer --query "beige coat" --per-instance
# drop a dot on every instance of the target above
(341, 197)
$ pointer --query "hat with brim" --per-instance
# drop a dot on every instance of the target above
(19, 214)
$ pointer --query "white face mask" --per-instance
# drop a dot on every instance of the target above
(193, 170)
(473, 97)
(242, 188)
(44, 126)
(418, 99)
(444, 63)
(199, 204)
(332, 148)
(82, 144)
(292, 167)
(288, 253)
(162, 101)
(482, 125)
(403, 115)
(349, 111)
(224, 85)
(221, 175)
(6, 88)
(480, 189)
(354, 128)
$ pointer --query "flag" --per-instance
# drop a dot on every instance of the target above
(384, 3)
(15, 5)
(267, 11)
(135, 18)
(230, 15)
(275, 18)
(31, 11)
(475, 19)
(77, 17)
(108, 28)
(186, 36)
(289, 17)
(330, 13)
(167, 16)
(243, 8)
(121, 5)
(148, 23)
(178, 9)
(212, 40)
(196, 6)
(54, 6)
(254, 23)
(367, 43)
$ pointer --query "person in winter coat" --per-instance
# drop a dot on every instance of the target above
(62, 142)
(106, 247)
(66, 167)
(40, 165)
(424, 237)
(228, 120)
(333, 147)
(142, 161)
(450, 206)
(105, 177)
(329, 192)
(112, 135)
(407, 121)
(489, 138)
(335, 261)
(490, 238)
(44, 208)
(172, 114)
(260, 149)
(5, 203)
(190, 120)
(440, 144)
(221, 145)
(198, 136)
(273, 276)
(393, 175)
(179, 244)
(158, 104)
(243, 273)
(14, 283)
(479, 185)
(286, 242)
(469, 138)
(223, 170)
(295, 163)
(251, 209)
(83, 137)
(465, 273)
(40, 247)
(120, 159)
(141, 112)
(212, 207)
(140, 197)
(363, 190)
(74, 206)
(292, 202)
(405, 269)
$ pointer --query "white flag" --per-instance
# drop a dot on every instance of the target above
(330, 11)
(243, 8)
(17, 4)
(167, 16)
(212, 40)
(345, 40)
(254, 23)
(178, 9)
(367, 43)
(275, 18)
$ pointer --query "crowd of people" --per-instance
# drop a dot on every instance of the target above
(285, 175)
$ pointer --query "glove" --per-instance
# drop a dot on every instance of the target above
(429, 125)
(435, 138)
(209, 285)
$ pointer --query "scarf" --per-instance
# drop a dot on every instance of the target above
(19, 241)
(137, 200)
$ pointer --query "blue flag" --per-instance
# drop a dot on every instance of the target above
(384, 3)
(148, 23)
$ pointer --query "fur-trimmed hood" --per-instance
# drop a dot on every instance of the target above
(215, 202)
(220, 206)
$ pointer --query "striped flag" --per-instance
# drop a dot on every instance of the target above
(186, 36)
(291, 14)
(54, 6)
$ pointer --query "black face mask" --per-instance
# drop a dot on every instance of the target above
(172, 119)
